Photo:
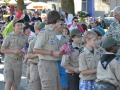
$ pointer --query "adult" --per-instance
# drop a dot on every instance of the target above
(96, 26)
(10, 18)
(114, 29)
(18, 13)
(25, 16)
(34, 20)
(75, 25)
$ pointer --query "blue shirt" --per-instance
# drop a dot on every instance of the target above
(100, 29)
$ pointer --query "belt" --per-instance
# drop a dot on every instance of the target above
(34, 63)
(73, 73)
(106, 83)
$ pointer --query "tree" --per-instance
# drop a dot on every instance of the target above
(20, 4)
(68, 6)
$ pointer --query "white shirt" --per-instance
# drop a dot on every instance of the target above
(58, 37)
(71, 27)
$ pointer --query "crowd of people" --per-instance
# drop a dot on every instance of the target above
(60, 53)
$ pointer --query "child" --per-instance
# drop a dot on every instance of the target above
(88, 61)
(66, 31)
(98, 47)
(12, 45)
(62, 39)
(34, 82)
(108, 75)
(70, 62)
(47, 48)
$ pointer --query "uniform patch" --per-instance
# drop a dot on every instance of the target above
(23, 37)
(101, 51)
(119, 61)
(104, 63)
(52, 41)
(41, 31)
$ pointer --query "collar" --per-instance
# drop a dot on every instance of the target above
(86, 51)
(49, 27)
(13, 33)
(109, 53)
(74, 45)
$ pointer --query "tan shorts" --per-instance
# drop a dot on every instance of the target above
(12, 70)
(28, 72)
(34, 82)
(49, 75)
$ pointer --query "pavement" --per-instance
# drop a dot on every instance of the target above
(23, 85)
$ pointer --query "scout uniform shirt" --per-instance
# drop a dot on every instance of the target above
(30, 51)
(110, 73)
(61, 41)
(14, 42)
(72, 60)
(88, 61)
(101, 50)
(47, 41)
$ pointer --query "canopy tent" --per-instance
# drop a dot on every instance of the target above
(38, 5)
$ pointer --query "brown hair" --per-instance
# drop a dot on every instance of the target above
(84, 26)
(52, 17)
(98, 33)
(67, 30)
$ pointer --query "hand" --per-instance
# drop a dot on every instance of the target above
(76, 70)
(15, 51)
(56, 53)
(24, 62)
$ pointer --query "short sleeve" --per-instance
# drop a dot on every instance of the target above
(82, 63)
(6, 42)
(42, 39)
(65, 60)
(30, 49)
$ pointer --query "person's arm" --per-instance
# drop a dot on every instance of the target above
(88, 72)
(65, 63)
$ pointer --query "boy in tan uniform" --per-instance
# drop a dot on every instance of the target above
(70, 62)
(46, 47)
(12, 47)
(88, 61)
(34, 82)
(98, 47)
(108, 75)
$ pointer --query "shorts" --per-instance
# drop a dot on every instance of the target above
(12, 70)
(86, 84)
(34, 81)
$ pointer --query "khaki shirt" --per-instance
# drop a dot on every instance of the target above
(64, 39)
(14, 42)
(47, 41)
(88, 61)
(72, 60)
(30, 51)
(101, 50)
(111, 74)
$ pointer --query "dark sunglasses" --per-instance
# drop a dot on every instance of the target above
(75, 21)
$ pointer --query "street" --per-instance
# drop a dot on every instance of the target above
(22, 86)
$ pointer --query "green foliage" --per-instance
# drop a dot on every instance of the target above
(68, 6)
(6, 2)
(82, 14)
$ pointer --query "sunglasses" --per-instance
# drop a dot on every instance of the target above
(91, 23)
(75, 21)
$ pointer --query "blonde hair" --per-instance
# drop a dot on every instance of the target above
(36, 25)
(89, 35)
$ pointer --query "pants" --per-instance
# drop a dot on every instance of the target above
(104, 86)
(28, 72)
(63, 77)
(73, 81)
(34, 82)
(49, 75)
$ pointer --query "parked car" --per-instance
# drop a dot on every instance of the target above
(108, 19)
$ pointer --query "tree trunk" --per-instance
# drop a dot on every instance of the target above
(20, 4)
(68, 6)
